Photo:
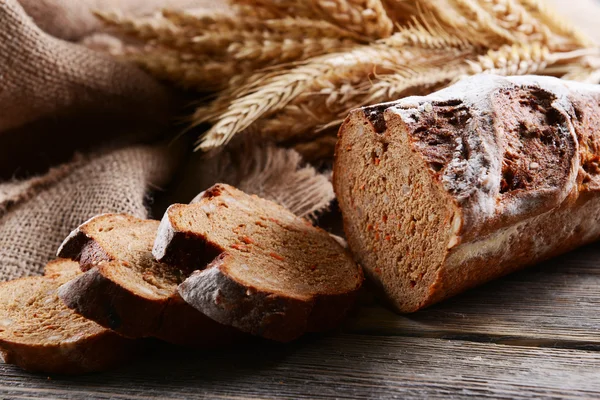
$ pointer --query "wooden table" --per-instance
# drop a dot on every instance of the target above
(535, 334)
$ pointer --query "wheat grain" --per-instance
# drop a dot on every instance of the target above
(148, 29)
(367, 17)
(277, 8)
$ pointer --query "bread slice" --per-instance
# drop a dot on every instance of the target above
(270, 273)
(125, 289)
(39, 333)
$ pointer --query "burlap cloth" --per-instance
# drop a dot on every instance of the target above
(78, 134)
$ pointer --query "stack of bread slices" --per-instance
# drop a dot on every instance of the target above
(210, 273)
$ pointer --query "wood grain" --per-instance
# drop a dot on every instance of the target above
(336, 366)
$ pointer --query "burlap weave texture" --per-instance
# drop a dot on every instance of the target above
(36, 215)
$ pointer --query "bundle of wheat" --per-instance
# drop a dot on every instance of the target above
(290, 71)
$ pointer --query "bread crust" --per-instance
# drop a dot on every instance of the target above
(97, 353)
(514, 160)
(261, 313)
(217, 293)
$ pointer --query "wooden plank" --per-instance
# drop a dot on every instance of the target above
(556, 304)
(335, 366)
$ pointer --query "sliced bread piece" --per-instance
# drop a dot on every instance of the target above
(39, 333)
(276, 275)
(125, 289)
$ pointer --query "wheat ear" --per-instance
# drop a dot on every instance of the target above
(365, 17)
(428, 33)
(522, 59)
(284, 50)
(547, 15)
(473, 11)
(147, 29)
(280, 90)
(295, 27)
(187, 70)
(512, 16)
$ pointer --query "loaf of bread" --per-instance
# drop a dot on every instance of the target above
(39, 333)
(259, 267)
(125, 289)
(445, 192)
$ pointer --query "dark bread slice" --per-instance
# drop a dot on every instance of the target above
(39, 333)
(272, 274)
(125, 289)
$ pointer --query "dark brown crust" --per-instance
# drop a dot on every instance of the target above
(72, 246)
(103, 301)
(98, 353)
(260, 313)
(189, 253)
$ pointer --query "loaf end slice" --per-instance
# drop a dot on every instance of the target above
(39, 333)
(125, 289)
(259, 267)
(445, 192)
